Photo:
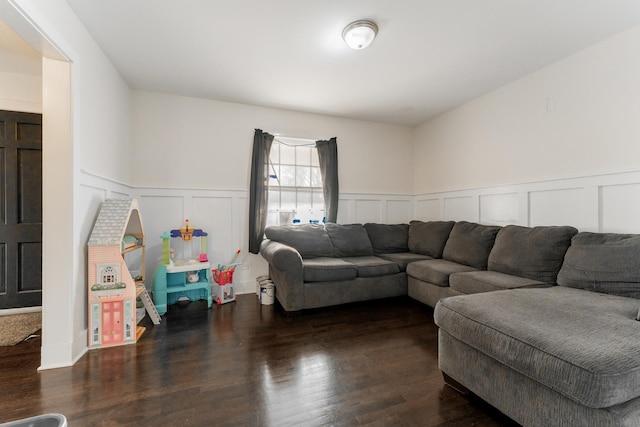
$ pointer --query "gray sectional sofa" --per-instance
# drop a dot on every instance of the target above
(322, 265)
(540, 322)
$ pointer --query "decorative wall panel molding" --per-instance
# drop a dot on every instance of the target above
(601, 203)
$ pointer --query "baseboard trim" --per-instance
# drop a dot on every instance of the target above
(10, 311)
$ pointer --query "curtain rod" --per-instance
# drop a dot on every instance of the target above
(303, 138)
(293, 141)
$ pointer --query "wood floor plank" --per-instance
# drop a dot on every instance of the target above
(245, 364)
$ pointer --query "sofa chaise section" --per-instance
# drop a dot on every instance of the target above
(562, 355)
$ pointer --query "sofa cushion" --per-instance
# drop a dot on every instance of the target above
(388, 238)
(404, 258)
(470, 244)
(532, 252)
(371, 266)
(486, 281)
(323, 269)
(349, 240)
(603, 262)
(436, 271)
(429, 238)
(310, 240)
(584, 345)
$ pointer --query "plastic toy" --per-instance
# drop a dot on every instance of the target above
(187, 278)
(223, 276)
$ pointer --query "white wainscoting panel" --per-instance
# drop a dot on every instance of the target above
(599, 203)
(214, 215)
(557, 207)
(354, 208)
(368, 211)
(620, 208)
(499, 209)
(464, 208)
(398, 211)
(429, 210)
(345, 211)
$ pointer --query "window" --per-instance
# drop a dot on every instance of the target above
(295, 183)
(289, 198)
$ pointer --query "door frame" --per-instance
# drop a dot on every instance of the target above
(62, 345)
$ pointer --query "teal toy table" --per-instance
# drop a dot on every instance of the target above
(171, 283)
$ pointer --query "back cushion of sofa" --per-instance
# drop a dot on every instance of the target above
(429, 238)
(470, 244)
(532, 252)
(603, 262)
(310, 240)
(388, 238)
(349, 240)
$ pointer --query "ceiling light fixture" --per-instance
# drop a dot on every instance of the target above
(359, 34)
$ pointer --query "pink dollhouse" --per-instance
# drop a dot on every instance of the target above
(116, 243)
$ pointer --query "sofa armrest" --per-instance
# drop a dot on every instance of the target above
(280, 255)
(285, 270)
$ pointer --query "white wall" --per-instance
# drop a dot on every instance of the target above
(20, 92)
(185, 142)
(578, 117)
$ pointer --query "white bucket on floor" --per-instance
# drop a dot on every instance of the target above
(259, 281)
(267, 293)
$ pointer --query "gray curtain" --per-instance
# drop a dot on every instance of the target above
(259, 189)
(328, 158)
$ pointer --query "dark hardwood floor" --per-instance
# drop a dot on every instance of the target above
(245, 364)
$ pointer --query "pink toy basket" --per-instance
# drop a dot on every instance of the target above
(222, 277)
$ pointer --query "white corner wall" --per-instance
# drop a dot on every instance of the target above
(558, 146)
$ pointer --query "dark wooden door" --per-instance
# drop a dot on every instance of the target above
(20, 209)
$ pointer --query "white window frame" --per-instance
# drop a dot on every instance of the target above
(295, 210)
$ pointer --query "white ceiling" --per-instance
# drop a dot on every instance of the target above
(429, 56)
